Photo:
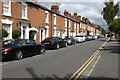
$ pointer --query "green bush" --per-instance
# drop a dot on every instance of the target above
(16, 33)
(3, 33)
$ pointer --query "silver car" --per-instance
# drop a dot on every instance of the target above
(80, 38)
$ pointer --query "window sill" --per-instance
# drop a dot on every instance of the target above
(9, 15)
(47, 22)
(24, 18)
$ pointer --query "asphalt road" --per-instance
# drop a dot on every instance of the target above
(54, 64)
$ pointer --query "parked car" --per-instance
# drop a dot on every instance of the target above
(90, 37)
(17, 49)
(80, 38)
(70, 40)
(54, 42)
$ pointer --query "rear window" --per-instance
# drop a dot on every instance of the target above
(49, 39)
(67, 37)
(79, 36)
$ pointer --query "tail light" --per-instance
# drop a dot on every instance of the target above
(6, 49)
(52, 42)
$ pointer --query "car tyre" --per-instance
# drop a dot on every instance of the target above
(42, 51)
(66, 44)
(19, 55)
(74, 43)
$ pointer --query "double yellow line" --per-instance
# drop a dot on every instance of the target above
(79, 72)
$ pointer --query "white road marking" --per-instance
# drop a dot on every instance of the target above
(4, 63)
(91, 70)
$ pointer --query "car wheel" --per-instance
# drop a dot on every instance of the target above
(42, 51)
(74, 42)
(58, 47)
(19, 55)
(66, 44)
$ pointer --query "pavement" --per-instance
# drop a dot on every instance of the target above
(108, 66)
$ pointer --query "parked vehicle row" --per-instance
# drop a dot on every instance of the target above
(57, 42)
(82, 38)
(18, 49)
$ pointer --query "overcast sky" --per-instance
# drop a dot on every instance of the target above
(91, 10)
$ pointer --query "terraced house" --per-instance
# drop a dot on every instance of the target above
(40, 22)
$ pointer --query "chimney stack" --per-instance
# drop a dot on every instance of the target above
(83, 19)
(75, 15)
(55, 8)
(79, 18)
(66, 13)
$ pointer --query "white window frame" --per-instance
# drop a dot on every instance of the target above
(55, 32)
(24, 5)
(75, 25)
(47, 31)
(26, 30)
(65, 22)
(9, 22)
(46, 17)
(9, 9)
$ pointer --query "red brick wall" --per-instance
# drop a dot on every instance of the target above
(60, 22)
(16, 14)
(71, 25)
(36, 16)
(51, 24)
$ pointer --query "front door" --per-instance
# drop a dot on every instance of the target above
(32, 35)
(41, 35)
(24, 31)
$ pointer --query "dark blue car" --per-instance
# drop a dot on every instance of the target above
(54, 42)
(18, 49)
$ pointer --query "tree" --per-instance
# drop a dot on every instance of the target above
(16, 33)
(3, 33)
(103, 31)
(115, 26)
(109, 11)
